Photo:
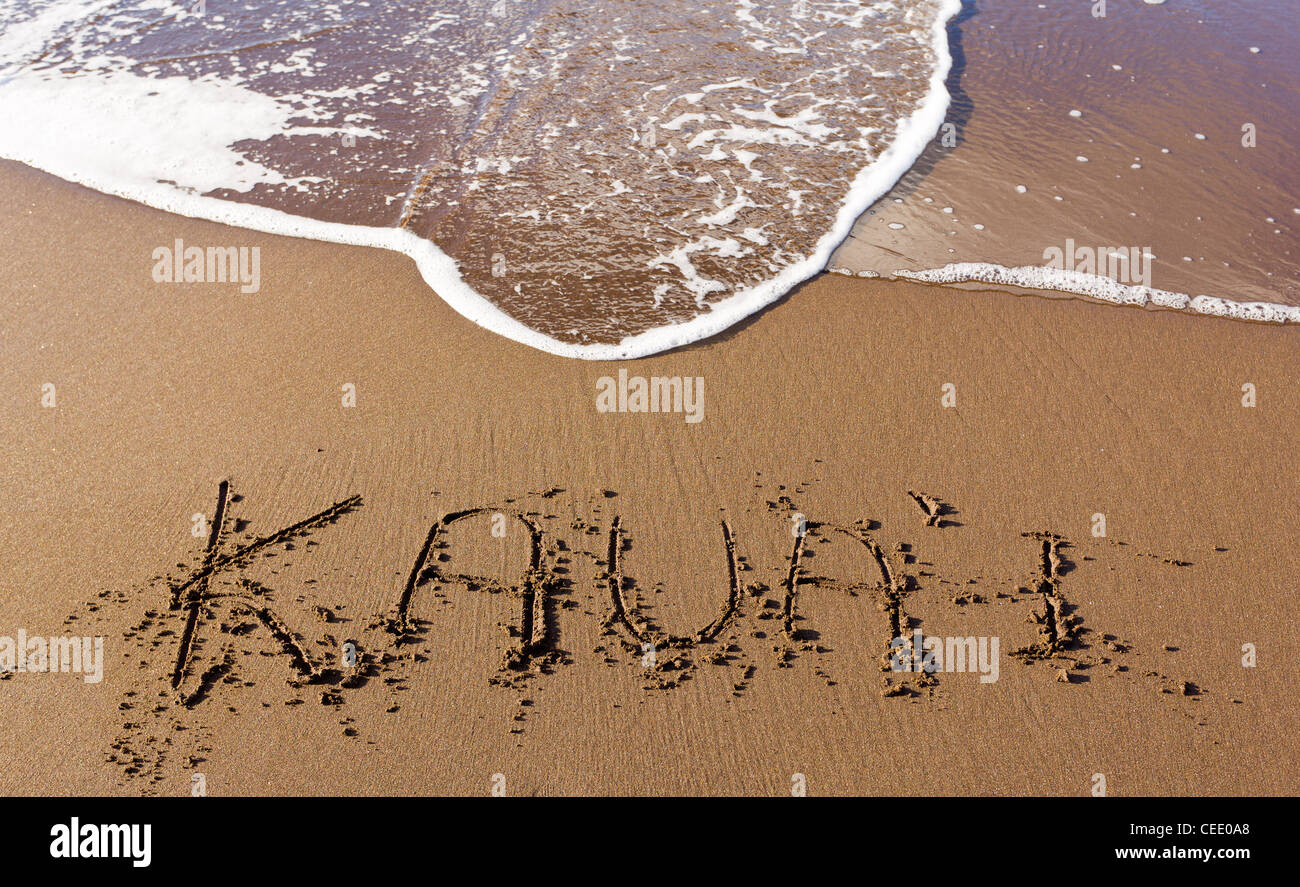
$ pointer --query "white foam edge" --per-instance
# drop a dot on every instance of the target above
(439, 270)
(1104, 288)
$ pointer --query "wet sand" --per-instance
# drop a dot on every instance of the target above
(828, 405)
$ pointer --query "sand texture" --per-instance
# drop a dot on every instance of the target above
(543, 598)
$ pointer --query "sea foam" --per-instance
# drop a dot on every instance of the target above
(1103, 288)
(769, 163)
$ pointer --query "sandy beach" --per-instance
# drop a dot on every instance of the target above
(510, 653)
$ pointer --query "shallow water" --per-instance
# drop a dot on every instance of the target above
(1123, 131)
(595, 170)
(611, 179)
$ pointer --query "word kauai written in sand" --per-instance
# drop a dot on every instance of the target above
(218, 595)
(833, 600)
(214, 264)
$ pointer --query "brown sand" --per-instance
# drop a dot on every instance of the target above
(828, 404)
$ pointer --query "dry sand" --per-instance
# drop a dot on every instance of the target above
(829, 404)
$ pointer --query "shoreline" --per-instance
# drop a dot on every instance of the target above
(440, 270)
(830, 404)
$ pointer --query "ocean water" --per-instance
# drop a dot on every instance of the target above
(611, 179)
(1167, 128)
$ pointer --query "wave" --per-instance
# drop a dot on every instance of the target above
(1094, 286)
(596, 182)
